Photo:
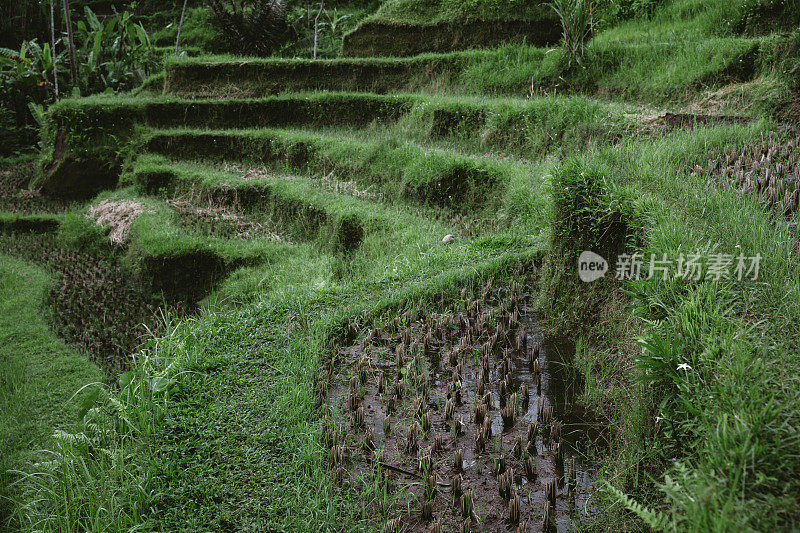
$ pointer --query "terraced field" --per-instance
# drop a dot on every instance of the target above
(344, 294)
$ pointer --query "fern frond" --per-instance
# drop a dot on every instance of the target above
(71, 439)
(656, 520)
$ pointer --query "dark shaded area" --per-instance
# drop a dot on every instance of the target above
(78, 178)
(30, 224)
(258, 79)
(457, 189)
(16, 197)
(187, 277)
(385, 39)
(250, 27)
(350, 233)
(457, 122)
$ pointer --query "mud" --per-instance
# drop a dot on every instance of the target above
(413, 369)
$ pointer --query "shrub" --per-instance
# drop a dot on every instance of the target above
(590, 213)
(250, 27)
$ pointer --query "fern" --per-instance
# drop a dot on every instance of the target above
(71, 439)
(656, 520)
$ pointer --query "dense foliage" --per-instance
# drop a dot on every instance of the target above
(114, 54)
(250, 27)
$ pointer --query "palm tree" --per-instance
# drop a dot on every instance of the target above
(53, 46)
(73, 72)
(180, 26)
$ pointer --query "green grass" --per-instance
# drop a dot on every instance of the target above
(340, 224)
(245, 477)
(403, 171)
(38, 377)
(178, 263)
(433, 11)
(697, 380)
(732, 443)
(536, 125)
(645, 70)
(197, 32)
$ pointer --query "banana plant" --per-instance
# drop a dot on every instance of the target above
(116, 53)
(111, 54)
(30, 67)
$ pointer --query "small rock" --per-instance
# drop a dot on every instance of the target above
(448, 239)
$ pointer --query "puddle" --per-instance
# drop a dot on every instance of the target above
(494, 339)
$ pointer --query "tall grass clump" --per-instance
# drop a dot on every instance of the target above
(96, 477)
(575, 17)
(590, 213)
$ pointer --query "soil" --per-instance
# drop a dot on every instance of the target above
(681, 120)
(485, 336)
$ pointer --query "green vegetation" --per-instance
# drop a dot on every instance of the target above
(39, 376)
(410, 27)
(645, 71)
(433, 11)
(111, 55)
(705, 418)
(196, 33)
(272, 208)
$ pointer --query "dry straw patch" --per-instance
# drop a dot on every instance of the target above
(221, 216)
(117, 215)
(328, 182)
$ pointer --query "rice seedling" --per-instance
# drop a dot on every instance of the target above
(467, 499)
(513, 510)
(505, 483)
(529, 467)
(458, 461)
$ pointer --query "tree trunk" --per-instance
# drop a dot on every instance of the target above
(73, 68)
(53, 46)
(316, 26)
(180, 26)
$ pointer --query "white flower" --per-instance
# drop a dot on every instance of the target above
(684, 366)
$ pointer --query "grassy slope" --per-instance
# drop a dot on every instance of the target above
(38, 373)
(644, 69)
(739, 471)
(247, 408)
(260, 360)
(433, 11)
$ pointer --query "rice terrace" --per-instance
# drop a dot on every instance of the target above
(400, 265)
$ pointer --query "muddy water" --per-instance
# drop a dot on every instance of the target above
(375, 353)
